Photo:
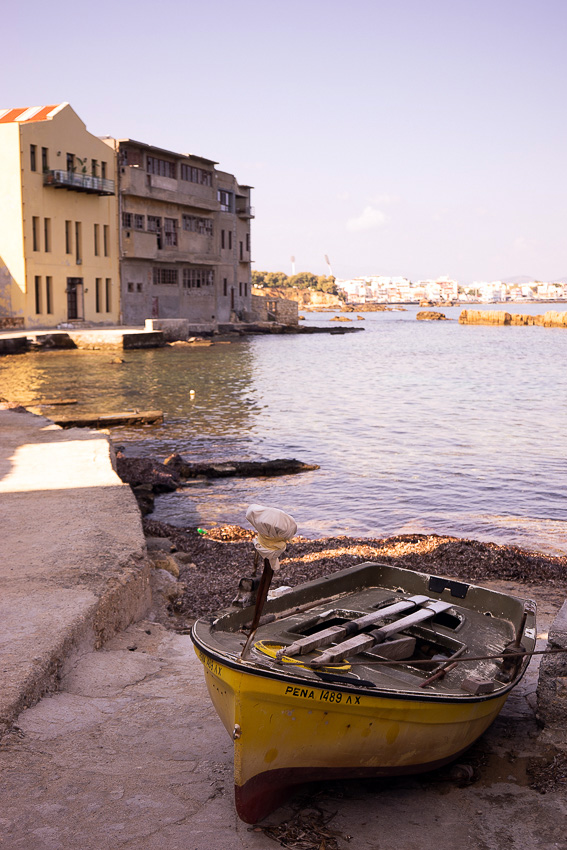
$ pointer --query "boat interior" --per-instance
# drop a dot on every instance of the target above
(381, 627)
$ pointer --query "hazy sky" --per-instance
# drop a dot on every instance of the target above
(412, 137)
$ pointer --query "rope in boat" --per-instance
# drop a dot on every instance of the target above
(270, 649)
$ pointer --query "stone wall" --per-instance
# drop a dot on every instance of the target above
(284, 311)
(9, 322)
(552, 685)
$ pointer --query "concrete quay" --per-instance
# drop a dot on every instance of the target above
(110, 741)
(90, 339)
(73, 567)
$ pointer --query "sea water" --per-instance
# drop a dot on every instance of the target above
(428, 427)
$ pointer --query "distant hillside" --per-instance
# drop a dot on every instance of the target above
(519, 279)
(523, 278)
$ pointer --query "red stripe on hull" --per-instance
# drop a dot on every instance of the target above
(258, 797)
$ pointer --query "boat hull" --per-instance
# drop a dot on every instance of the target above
(288, 733)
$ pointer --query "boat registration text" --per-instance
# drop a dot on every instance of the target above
(322, 696)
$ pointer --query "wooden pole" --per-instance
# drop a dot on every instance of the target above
(261, 597)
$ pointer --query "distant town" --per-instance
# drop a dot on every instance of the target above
(380, 288)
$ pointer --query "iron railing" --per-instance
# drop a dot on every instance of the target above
(79, 182)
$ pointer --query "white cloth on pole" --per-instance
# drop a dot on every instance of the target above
(274, 529)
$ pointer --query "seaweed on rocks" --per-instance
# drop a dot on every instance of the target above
(222, 555)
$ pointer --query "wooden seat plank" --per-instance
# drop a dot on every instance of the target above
(351, 647)
(334, 633)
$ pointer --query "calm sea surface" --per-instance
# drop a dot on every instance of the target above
(417, 426)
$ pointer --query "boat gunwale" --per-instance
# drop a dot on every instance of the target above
(421, 695)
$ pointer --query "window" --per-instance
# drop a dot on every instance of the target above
(37, 284)
(161, 167)
(230, 240)
(107, 294)
(222, 239)
(198, 225)
(198, 278)
(94, 167)
(48, 295)
(138, 222)
(96, 243)
(130, 287)
(47, 234)
(70, 162)
(33, 164)
(103, 170)
(196, 175)
(170, 231)
(226, 200)
(78, 243)
(245, 290)
(35, 233)
(154, 226)
(241, 250)
(225, 286)
(165, 276)
(106, 240)
(98, 286)
(139, 287)
(248, 242)
(68, 237)
(127, 220)
(240, 289)
(44, 164)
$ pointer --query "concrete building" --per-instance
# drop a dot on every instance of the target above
(184, 237)
(58, 221)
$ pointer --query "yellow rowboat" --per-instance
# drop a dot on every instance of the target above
(371, 671)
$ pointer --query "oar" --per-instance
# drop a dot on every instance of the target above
(261, 597)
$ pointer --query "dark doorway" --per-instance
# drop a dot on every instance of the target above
(232, 298)
(74, 297)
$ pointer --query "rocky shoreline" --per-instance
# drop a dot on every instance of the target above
(208, 566)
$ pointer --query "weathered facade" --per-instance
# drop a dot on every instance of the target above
(184, 237)
(58, 221)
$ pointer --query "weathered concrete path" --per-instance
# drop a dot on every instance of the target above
(72, 569)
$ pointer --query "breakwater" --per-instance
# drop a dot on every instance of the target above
(550, 319)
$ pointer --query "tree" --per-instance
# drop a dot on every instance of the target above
(327, 284)
(258, 278)
(276, 279)
(302, 280)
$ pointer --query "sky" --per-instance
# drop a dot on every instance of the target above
(398, 137)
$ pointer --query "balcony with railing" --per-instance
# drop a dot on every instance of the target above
(79, 182)
(244, 210)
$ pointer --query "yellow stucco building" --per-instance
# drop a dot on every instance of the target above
(59, 260)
